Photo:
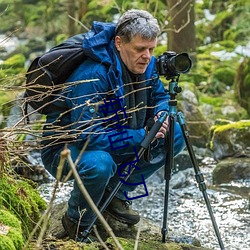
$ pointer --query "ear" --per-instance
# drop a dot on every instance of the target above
(118, 42)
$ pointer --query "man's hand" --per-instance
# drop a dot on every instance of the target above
(164, 128)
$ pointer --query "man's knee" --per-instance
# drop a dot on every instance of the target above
(97, 165)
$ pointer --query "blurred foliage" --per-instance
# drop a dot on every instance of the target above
(221, 27)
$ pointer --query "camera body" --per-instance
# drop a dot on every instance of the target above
(171, 65)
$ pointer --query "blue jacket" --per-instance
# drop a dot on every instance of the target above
(85, 118)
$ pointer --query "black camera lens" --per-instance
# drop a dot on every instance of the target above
(182, 63)
(171, 64)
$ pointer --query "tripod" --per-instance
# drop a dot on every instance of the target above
(173, 90)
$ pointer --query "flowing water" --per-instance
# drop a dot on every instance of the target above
(187, 212)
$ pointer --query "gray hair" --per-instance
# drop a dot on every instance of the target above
(137, 22)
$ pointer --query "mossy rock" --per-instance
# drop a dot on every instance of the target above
(128, 244)
(242, 85)
(219, 107)
(11, 237)
(231, 139)
(22, 200)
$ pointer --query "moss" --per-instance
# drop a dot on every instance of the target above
(235, 125)
(128, 244)
(214, 101)
(242, 84)
(220, 131)
(16, 237)
(225, 75)
(9, 219)
(16, 61)
(13, 239)
(6, 243)
(21, 199)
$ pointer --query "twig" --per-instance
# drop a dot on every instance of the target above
(66, 154)
(99, 238)
(77, 21)
(137, 236)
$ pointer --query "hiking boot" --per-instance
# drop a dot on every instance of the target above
(75, 231)
(121, 211)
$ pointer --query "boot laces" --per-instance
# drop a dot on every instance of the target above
(127, 204)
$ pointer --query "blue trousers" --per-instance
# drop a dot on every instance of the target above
(100, 170)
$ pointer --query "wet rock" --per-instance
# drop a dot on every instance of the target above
(231, 139)
(231, 169)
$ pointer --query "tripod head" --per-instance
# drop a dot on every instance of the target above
(174, 89)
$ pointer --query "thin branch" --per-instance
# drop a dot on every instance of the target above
(66, 154)
(77, 21)
(99, 238)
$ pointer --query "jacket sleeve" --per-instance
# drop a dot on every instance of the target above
(88, 123)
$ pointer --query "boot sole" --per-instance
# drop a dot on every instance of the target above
(121, 219)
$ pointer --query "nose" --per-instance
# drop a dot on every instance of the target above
(146, 54)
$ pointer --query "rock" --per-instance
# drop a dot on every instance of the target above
(232, 139)
(231, 169)
(197, 125)
(149, 238)
(181, 179)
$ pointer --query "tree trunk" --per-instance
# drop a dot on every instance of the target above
(83, 7)
(181, 27)
(71, 6)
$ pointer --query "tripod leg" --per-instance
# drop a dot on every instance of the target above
(199, 176)
(168, 173)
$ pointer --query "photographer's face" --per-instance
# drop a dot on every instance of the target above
(137, 53)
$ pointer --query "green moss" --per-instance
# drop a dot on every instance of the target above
(16, 237)
(242, 84)
(9, 219)
(6, 243)
(13, 239)
(21, 199)
(228, 45)
(239, 128)
(225, 75)
(13, 71)
(212, 100)
(235, 125)
(128, 244)
(16, 61)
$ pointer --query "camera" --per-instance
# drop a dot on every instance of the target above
(171, 65)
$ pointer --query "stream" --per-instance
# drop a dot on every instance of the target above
(187, 212)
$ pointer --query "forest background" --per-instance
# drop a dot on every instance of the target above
(214, 33)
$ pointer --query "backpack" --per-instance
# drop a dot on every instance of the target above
(47, 74)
